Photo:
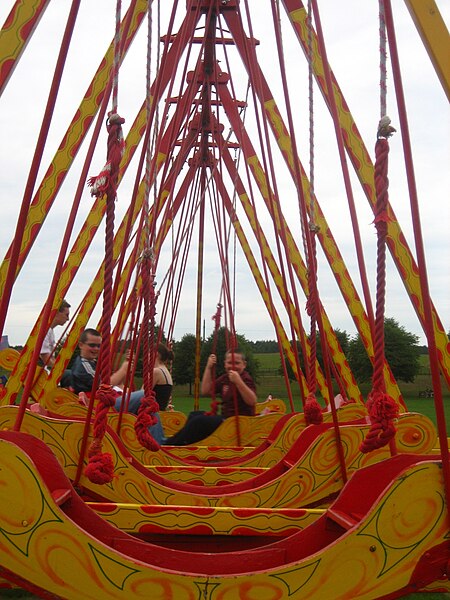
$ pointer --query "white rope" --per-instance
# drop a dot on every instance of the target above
(312, 214)
(383, 59)
(148, 109)
(115, 94)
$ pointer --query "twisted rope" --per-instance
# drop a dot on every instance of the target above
(383, 410)
(148, 407)
(100, 468)
(214, 402)
(383, 58)
(312, 409)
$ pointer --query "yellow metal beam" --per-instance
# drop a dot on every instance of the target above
(434, 33)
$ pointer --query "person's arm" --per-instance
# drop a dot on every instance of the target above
(47, 358)
(46, 354)
(247, 393)
(157, 377)
(118, 378)
(207, 380)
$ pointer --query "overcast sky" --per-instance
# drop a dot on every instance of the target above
(351, 32)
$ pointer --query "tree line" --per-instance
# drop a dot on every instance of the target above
(402, 352)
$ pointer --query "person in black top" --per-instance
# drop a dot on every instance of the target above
(235, 387)
(162, 380)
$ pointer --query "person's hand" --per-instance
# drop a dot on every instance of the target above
(212, 360)
(129, 357)
(234, 376)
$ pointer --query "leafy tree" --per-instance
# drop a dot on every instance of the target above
(343, 339)
(264, 346)
(183, 367)
(402, 352)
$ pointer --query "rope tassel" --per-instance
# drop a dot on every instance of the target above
(383, 410)
(100, 468)
(145, 419)
(312, 411)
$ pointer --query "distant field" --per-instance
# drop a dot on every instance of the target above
(271, 382)
(269, 362)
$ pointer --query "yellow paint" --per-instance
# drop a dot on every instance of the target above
(365, 171)
(314, 477)
(40, 541)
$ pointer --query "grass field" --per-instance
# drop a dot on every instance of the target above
(271, 382)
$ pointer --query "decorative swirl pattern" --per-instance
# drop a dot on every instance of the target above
(252, 431)
(313, 477)
(135, 518)
(378, 554)
(172, 421)
(8, 358)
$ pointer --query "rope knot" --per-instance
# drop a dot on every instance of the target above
(145, 419)
(385, 129)
(114, 119)
(106, 395)
(383, 412)
(310, 306)
(106, 180)
(100, 469)
(382, 217)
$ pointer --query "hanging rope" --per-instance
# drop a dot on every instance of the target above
(312, 409)
(382, 409)
(214, 402)
(148, 407)
(100, 468)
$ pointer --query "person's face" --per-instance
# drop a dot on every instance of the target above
(91, 347)
(61, 317)
(234, 362)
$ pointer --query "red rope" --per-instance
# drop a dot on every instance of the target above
(148, 407)
(100, 467)
(312, 409)
(382, 409)
(214, 402)
(145, 419)
(107, 178)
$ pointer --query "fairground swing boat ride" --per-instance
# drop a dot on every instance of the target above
(348, 501)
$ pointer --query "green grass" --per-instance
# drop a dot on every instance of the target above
(270, 382)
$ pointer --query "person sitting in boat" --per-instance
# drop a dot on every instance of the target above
(84, 365)
(83, 372)
(235, 387)
(162, 380)
(47, 354)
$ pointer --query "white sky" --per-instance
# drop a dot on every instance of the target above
(351, 32)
